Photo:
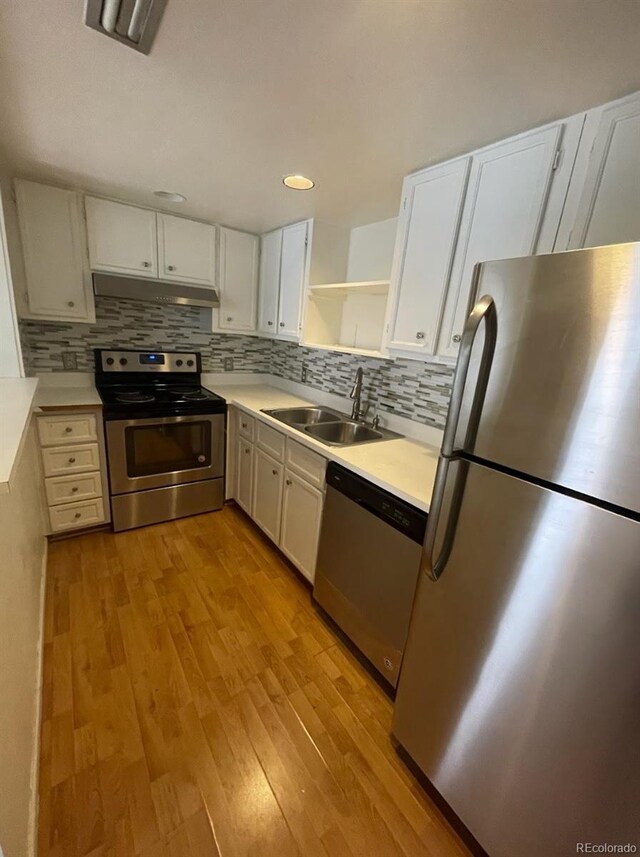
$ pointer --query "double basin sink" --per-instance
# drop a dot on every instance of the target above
(329, 426)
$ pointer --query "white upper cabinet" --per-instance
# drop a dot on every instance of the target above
(58, 284)
(271, 247)
(427, 232)
(293, 272)
(238, 282)
(187, 250)
(608, 205)
(503, 212)
(122, 238)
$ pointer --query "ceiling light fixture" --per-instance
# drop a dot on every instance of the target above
(298, 182)
(170, 195)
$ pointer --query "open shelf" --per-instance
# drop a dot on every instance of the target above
(346, 349)
(347, 317)
(366, 287)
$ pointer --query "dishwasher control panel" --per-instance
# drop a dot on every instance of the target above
(403, 516)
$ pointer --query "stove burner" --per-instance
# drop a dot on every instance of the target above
(135, 396)
(188, 393)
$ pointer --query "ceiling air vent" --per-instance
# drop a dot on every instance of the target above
(132, 22)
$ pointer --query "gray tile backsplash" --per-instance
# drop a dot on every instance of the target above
(407, 388)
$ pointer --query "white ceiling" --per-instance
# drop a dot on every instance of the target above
(354, 93)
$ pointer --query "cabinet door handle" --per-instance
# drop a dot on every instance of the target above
(289, 482)
(72, 461)
(420, 334)
(146, 264)
(71, 303)
(270, 323)
(247, 451)
(229, 318)
(457, 337)
(171, 267)
(275, 472)
(282, 324)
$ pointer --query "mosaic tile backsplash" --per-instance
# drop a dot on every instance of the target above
(407, 388)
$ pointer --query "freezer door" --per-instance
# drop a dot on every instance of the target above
(519, 691)
(563, 396)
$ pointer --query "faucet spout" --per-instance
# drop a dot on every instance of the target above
(356, 395)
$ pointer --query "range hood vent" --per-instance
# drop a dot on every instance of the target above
(154, 291)
(132, 22)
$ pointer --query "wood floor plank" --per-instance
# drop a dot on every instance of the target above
(195, 704)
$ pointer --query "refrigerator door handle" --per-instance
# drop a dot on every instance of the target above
(434, 567)
(484, 310)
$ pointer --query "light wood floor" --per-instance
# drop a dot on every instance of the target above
(195, 704)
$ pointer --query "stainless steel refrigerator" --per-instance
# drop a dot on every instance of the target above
(519, 694)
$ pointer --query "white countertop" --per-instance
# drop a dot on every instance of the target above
(402, 466)
(67, 390)
(16, 405)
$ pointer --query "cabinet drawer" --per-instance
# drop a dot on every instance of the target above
(246, 425)
(272, 441)
(65, 489)
(307, 464)
(62, 460)
(76, 428)
(71, 516)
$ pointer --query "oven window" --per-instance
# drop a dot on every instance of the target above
(167, 448)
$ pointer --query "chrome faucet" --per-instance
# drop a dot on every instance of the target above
(356, 395)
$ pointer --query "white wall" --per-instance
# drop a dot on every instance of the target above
(10, 351)
(371, 251)
(22, 557)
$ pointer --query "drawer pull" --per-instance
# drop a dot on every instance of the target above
(245, 425)
(72, 461)
(68, 430)
(247, 451)
(457, 337)
(275, 472)
(78, 515)
(289, 482)
(74, 489)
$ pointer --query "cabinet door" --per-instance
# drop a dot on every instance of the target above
(122, 238)
(244, 475)
(503, 212)
(238, 280)
(187, 250)
(271, 247)
(292, 279)
(54, 249)
(609, 207)
(267, 494)
(301, 517)
(427, 233)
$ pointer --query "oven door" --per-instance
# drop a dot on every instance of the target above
(162, 451)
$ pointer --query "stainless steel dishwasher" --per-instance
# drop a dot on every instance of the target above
(368, 564)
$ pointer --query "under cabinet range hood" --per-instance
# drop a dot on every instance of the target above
(154, 291)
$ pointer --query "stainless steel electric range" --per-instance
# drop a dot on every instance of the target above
(165, 436)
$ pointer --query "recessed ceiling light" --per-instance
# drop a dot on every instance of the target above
(170, 196)
(298, 182)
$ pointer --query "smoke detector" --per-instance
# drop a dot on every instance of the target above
(132, 22)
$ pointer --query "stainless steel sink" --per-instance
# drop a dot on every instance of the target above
(329, 426)
(304, 416)
(344, 433)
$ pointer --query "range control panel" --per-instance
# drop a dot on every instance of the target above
(147, 361)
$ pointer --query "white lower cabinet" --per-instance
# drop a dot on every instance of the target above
(268, 477)
(74, 467)
(301, 518)
(244, 474)
(279, 483)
